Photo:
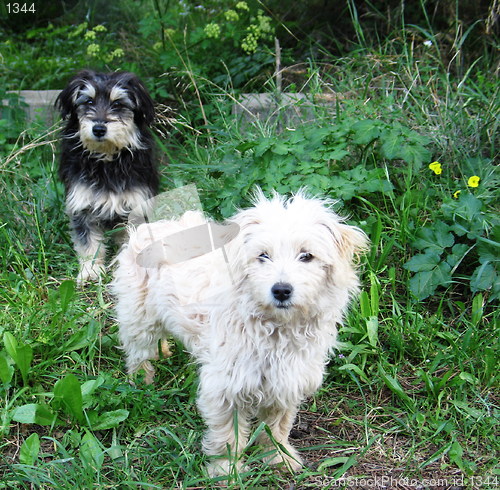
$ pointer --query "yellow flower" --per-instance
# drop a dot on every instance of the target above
(456, 194)
(473, 181)
(436, 168)
(100, 28)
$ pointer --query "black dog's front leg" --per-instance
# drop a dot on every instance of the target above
(88, 238)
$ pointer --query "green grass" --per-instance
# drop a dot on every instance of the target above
(413, 393)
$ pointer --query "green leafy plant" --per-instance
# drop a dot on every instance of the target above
(30, 450)
(227, 42)
(347, 158)
(12, 122)
(461, 243)
(21, 354)
(73, 401)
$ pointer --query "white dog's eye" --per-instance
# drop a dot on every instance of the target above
(263, 256)
(306, 257)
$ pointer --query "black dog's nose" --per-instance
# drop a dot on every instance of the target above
(282, 291)
(99, 130)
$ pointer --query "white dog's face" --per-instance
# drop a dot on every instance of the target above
(286, 271)
(297, 255)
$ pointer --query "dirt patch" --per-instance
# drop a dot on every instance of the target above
(345, 456)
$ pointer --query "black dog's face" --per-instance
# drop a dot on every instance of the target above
(109, 111)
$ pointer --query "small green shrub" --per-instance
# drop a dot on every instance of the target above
(45, 57)
(347, 158)
(12, 121)
(227, 43)
(460, 239)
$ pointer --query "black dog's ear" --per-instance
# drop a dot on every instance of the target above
(145, 112)
(65, 102)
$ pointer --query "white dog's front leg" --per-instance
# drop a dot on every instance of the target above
(227, 433)
(140, 343)
(280, 422)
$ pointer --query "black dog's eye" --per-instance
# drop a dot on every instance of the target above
(306, 257)
(116, 104)
(263, 257)
(86, 101)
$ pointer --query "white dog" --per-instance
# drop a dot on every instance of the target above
(259, 315)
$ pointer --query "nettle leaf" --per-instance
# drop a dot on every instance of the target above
(415, 154)
(280, 148)
(435, 238)
(344, 189)
(391, 147)
(336, 154)
(431, 272)
(484, 277)
(366, 131)
(359, 174)
(377, 182)
(423, 262)
(424, 284)
(457, 254)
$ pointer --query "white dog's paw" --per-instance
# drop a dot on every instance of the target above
(165, 349)
(90, 270)
(291, 461)
(223, 467)
(149, 372)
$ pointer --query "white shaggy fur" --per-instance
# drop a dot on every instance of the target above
(261, 351)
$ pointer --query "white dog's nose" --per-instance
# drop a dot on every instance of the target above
(282, 291)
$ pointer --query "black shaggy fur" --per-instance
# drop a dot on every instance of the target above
(132, 167)
(88, 98)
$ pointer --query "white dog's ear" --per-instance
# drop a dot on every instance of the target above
(351, 241)
(246, 218)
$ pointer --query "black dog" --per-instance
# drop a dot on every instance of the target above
(106, 164)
